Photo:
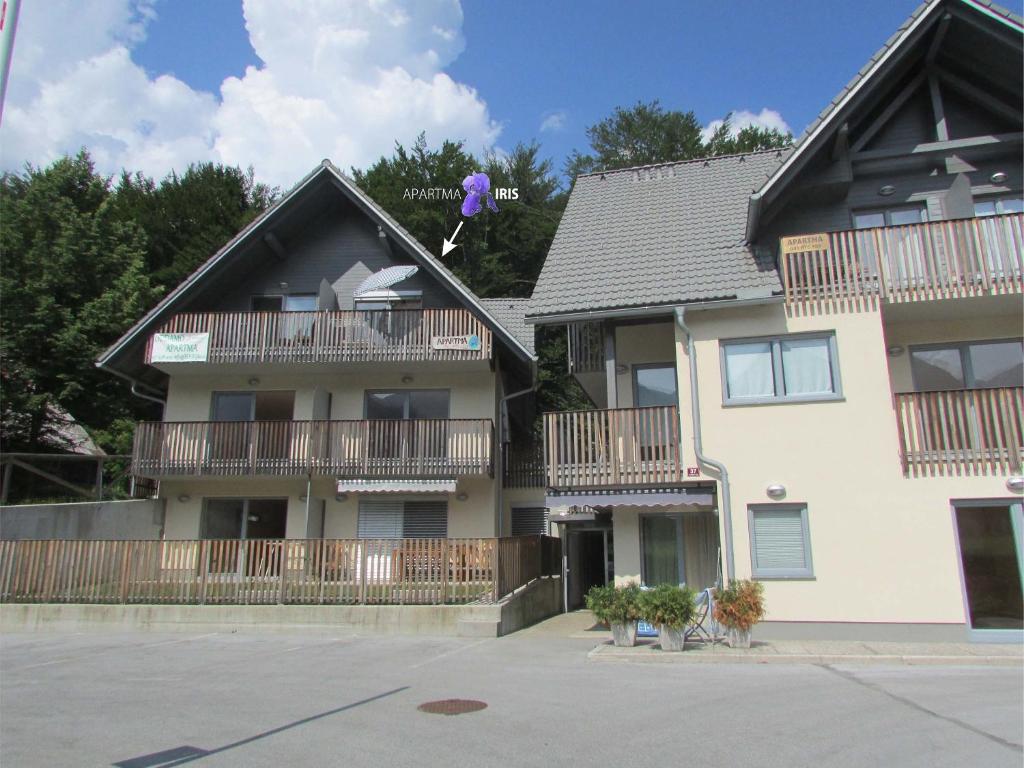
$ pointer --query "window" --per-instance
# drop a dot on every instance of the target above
(299, 302)
(679, 548)
(780, 542)
(242, 519)
(967, 365)
(529, 521)
(402, 519)
(783, 369)
(407, 404)
(992, 206)
(890, 217)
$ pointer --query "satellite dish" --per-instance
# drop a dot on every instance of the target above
(385, 279)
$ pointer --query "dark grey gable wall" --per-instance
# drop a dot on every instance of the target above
(936, 185)
(339, 245)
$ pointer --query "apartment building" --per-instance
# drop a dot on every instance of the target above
(324, 376)
(806, 365)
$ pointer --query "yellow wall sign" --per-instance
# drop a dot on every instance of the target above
(803, 243)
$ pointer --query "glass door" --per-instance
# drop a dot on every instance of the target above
(661, 542)
(989, 539)
(655, 385)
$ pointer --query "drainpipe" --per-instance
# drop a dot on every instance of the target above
(135, 385)
(730, 569)
(500, 451)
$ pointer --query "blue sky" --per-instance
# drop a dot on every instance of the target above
(520, 62)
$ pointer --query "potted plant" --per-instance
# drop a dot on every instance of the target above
(671, 608)
(619, 607)
(739, 607)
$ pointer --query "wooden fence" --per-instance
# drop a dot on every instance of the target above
(366, 448)
(333, 337)
(913, 262)
(622, 446)
(274, 571)
(524, 466)
(967, 431)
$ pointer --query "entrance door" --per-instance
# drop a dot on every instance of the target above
(587, 551)
(989, 538)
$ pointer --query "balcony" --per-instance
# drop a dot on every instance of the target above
(612, 448)
(855, 269)
(442, 335)
(424, 448)
(961, 432)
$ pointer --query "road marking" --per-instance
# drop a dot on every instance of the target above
(461, 648)
(109, 650)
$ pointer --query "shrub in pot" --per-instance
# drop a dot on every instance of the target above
(620, 608)
(671, 608)
(739, 607)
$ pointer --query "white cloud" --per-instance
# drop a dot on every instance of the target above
(554, 121)
(741, 118)
(339, 79)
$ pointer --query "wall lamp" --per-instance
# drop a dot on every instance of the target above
(894, 351)
(1015, 484)
(461, 496)
(341, 497)
(184, 498)
(887, 190)
(998, 177)
(254, 381)
(775, 491)
(407, 379)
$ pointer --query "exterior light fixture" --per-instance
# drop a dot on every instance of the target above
(1015, 484)
(462, 496)
(254, 381)
(621, 369)
(894, 351)
(998, 177)
(303, 497)
(184, 498)
(775, 491)
(341, 497)
(407, 379)
(887, 190)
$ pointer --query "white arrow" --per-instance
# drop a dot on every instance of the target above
(449, 244)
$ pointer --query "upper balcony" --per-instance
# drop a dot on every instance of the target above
(375, 448)
(620, 447)
(361, 336)
(854, 269)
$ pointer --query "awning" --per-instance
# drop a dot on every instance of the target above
(396, 486)
(385, 279)
(673, 497)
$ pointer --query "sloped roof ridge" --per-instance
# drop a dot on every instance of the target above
(687, 161)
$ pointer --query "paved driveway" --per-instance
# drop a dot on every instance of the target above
(143, 700)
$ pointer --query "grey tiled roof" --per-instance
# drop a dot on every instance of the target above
(511, 313)
(661, 234)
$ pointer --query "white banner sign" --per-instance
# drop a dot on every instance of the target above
(471, 342)
(180, 347)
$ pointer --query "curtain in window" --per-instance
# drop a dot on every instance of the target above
(806, 367)
(749, 370)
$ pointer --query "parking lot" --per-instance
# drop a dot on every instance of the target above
(233, 699)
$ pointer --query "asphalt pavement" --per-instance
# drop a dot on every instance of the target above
(237, 699)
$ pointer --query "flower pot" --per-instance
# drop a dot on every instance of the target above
(624, 635)
(672, 638)
(739, 638)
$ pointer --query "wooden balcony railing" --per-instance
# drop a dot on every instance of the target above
(334, 337)
(914, 262)
(274, 571)
(619, 447)
(524, 466)
(585, 345)
(965, 431)
(368, 448)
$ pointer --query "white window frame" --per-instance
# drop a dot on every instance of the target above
(766, 574)
(775, 343)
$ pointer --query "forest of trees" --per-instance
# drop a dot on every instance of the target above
(83, 256)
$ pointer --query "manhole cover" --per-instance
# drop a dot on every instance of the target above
(452, 706)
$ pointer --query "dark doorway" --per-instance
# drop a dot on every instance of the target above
(586, 563)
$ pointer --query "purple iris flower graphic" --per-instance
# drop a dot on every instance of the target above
(478, 188)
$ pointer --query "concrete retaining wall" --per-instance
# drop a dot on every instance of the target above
(535, 602)
(137, 519)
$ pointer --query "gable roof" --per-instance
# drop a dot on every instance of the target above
(838, 108)
(511, 313)
(377, 214)
(657, 235)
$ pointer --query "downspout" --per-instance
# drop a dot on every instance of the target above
(135, 386)
(500, 469)
(730, 570)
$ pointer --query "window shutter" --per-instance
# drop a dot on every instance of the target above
(779, 540)
(380, 519)
(425, 520)
(529, 521)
